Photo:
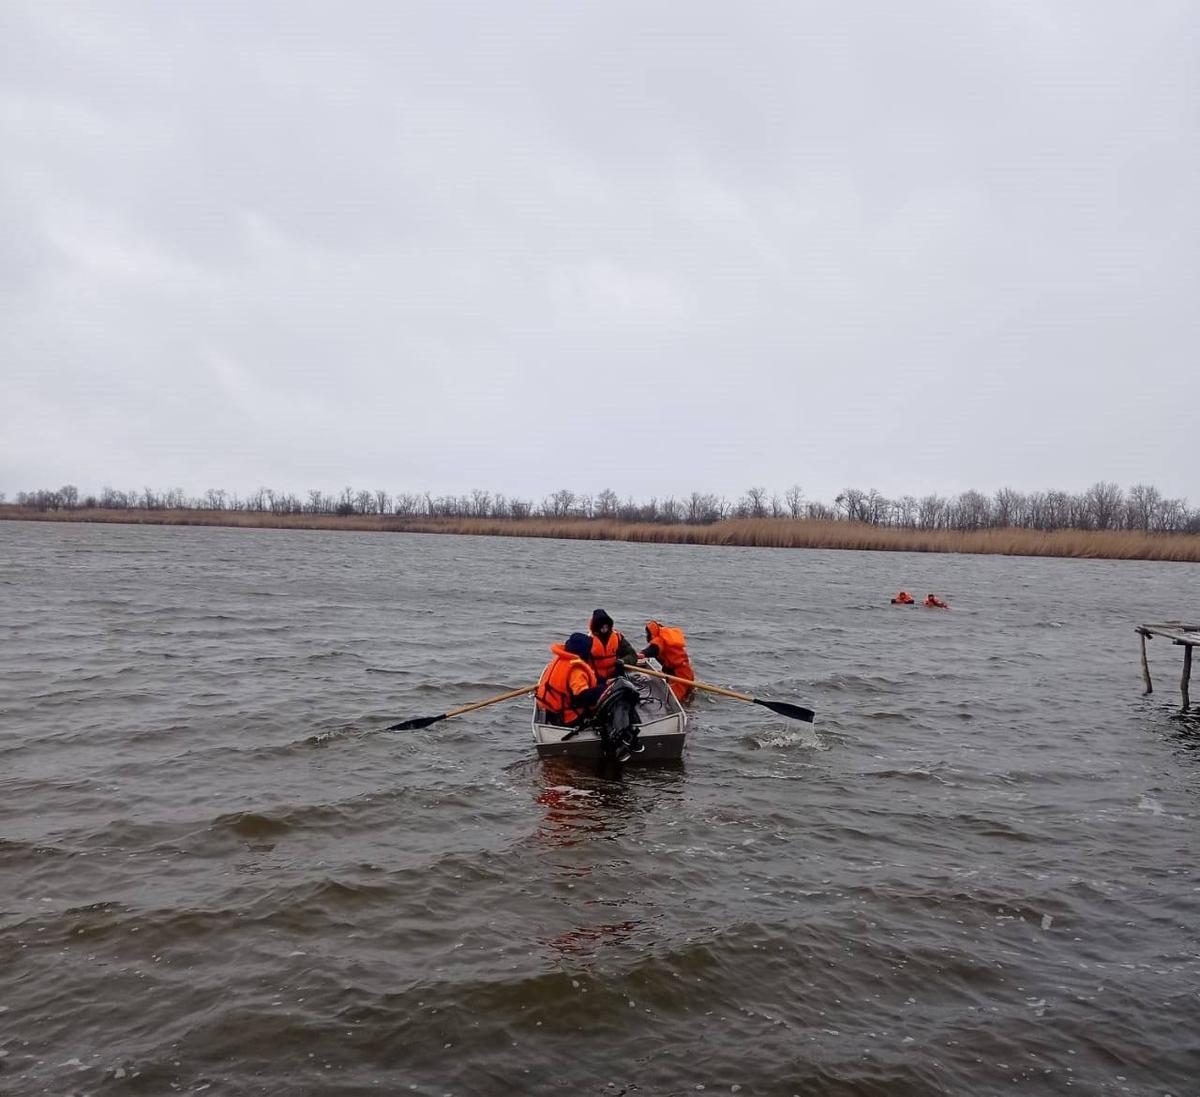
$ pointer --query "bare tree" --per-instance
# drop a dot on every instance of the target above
(704, 509)
(559, 504)
(754, 503)
(794, 498)
(1141, 505)
(972, 510)
(1172, 516)
(853, 504)
(1104, 503)
(606, 504)
(877, 508)
(931, 512)
(906, 511)
(1008, 508)
(1058, 510)
(481, 503)
(1079, 512)
(1103, 506)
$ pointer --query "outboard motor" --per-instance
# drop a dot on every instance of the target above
(616, 719)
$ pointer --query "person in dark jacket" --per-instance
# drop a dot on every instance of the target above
(608, 647)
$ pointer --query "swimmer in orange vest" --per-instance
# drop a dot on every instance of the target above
(669, 647)
(903, 599)
(932, 601)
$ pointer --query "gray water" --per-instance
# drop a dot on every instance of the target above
(976, 873)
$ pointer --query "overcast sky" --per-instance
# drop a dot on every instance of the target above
(657, 247)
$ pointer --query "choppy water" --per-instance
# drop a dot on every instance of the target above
(976, 874)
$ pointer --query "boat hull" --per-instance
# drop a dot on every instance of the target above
(662, 719)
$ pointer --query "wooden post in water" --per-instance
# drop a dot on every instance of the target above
(1187, 673)
(1187, 637)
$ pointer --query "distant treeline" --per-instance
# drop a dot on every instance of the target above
(1104, 506)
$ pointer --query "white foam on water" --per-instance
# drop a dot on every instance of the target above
(809, 740)
(1154, 807)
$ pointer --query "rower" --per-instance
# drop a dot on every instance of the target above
(608, 647)
(568, 688)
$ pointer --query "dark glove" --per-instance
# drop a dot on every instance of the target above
(589, 697)
(619, 670)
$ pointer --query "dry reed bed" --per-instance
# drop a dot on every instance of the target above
(747, 532)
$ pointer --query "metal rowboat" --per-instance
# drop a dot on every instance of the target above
(663, 728)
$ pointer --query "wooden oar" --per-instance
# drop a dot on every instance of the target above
(794, 712)
(425, 721)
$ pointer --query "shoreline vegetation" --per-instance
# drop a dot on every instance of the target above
(748, 532)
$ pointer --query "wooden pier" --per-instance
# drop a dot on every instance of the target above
(1187, 637)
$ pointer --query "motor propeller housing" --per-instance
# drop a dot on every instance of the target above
(616, 718)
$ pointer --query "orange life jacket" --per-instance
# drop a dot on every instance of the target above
(604, 656)
(672, 654)
(903, 599)
(934, 602)
(560, 684)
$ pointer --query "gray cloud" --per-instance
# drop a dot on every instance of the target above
(653, 247)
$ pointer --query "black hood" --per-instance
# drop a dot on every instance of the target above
(599, 620)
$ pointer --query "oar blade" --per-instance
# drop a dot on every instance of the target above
(415, 724)
(792, 712)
